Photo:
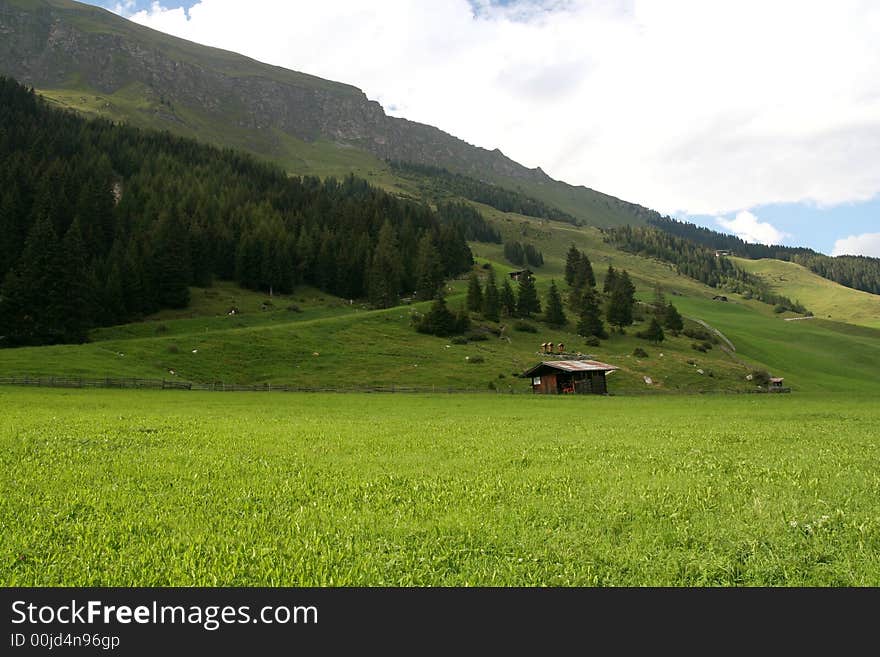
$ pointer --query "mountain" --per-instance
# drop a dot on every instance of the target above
(91, 60)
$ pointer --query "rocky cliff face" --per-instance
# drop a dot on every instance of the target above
(57, 43)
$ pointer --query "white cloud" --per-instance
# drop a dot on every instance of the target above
(684, 106)
(867, 244)
(748, 227)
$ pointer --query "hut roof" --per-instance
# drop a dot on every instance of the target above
(776, 379)
(572, 366)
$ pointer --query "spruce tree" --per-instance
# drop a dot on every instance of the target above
(590, 318)
(554, 315)
(527, 302)
(31, 300)
(610, 280)
(672, 319)
(654, 332)
(474, 294)
(385, 269)
(507, 299)
(171, 262)
(585, 275)
(429, 268)
(572, 261)
(491, 299)
(621, 299)
(78, 303)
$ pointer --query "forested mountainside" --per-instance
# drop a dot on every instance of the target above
(858, 272)
(699, 262)
(96, 62)
(100, 224)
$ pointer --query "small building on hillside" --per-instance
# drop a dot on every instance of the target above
(776, 385)
(561, 377)
(516, 275)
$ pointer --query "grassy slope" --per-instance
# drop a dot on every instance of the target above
(150, 488)
(826, 299)
(357, 346)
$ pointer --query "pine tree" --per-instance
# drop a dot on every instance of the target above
(590, 318)
(572, 261)
(507, 299)
(474, 294)
(654, 332)
(672, 319)
(31, 306)
(171, 262)
(554, 314)
(438, 320)
(77, 304)
(429, 268)
(384, 275)
(514, 253)
(621, 299)
(527, 302)
(585, 275)
(610, 280)
(491, 299)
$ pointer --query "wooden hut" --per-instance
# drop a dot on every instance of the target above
(516, 275)
(776, 384)
(560, 377)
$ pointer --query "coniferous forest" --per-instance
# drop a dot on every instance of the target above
(505, 200)
(698, 262)
(101, 224)
(857, 272)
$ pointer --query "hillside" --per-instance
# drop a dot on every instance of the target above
(328, 342)
(824, 298)
(93, 61)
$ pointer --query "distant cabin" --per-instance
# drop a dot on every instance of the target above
(719, 297)
(562, 377)
(776, 384)
(516, 275)
(721, 252)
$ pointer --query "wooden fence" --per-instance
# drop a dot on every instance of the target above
(165, 384)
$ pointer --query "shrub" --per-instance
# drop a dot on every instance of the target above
(474, 359)
(502, 375)
(779, 309)
(697, 333)
(491, 385)
(525, 327)
(161, 328)
(592, 341)
(638, 352)
(294, 308)
(477, 337)
(459, 339)
(699, 346)
(440, 321)
(173, 349)
(761, 377)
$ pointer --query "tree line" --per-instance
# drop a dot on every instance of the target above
(615, 304)
(522, 254)
(102, 223)
(697, 262)
(440, 180)
(857, 272)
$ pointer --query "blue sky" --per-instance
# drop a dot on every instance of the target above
(760, 119)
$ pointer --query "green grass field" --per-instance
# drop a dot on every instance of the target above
(174, 488)
(824, 298)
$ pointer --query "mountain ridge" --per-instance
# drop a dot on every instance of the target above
(170, 83)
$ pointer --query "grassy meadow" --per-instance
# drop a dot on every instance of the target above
(174, 488)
